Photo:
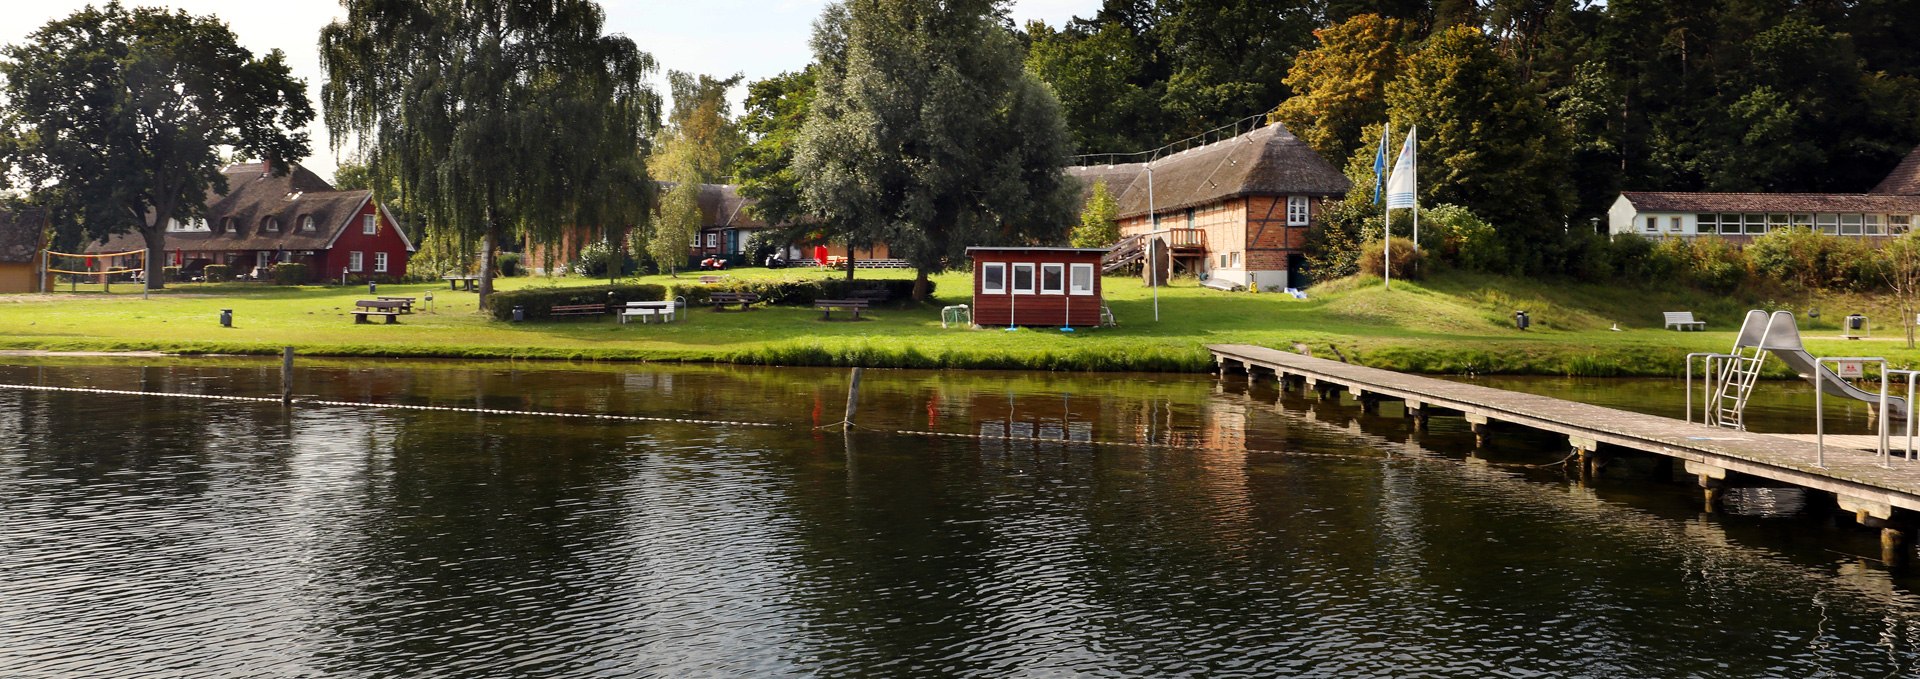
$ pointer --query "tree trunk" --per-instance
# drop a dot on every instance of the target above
(920, 285)
(487, 245)
(850, 261)
(156, 238)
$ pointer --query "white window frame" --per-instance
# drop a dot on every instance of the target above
(370, 225)
(1828, 222)
(306, 223)
(1059, 269)
(987, 286)
(1850, 223)
(1073, 276)
(1673, 224)
(1235, 259)
(713, 240)
(1653, 225)
(356, 260)
(1032, 278)
(262, 259)
(1298, 212)
(270, 225)
(379, 262)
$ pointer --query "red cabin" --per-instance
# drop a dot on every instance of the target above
(1036, 286)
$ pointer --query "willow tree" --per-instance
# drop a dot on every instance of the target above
(927, 133)
(498, 118)
(697, 148)
(116, 119)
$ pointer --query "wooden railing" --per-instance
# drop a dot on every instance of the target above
(1186, 238)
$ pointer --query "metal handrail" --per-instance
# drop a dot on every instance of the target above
(1913, 379)
(1820, 411)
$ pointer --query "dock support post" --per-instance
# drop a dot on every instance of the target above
(1712, 479)
(1369, 403)
(1896, 538)
(286, 376)
(1417, 414)
(1482, 429)
(1586, 452)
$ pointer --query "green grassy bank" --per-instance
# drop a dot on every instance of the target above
(1455, 323)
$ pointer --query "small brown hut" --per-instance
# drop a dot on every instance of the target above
(22, 235)
(1036, 286)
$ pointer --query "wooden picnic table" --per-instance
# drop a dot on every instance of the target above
(406, 302)
(453, 282)
(383, 308)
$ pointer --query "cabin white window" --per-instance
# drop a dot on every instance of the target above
(306, 223)
(1023, 279)
(379, 262)
(1053, 279)
(1297, 211)
(1779, 222)
(355, 260)
(1673, 224)
(993, 278)
(1653, 224)
(1756, 224)
(1706, 223)
(1803, 220)
(1849, 225)
(1874, 226)
(270, 225)
(713, 240)
(1081, 282)
(369, 225)
(1829, 223)
(1899, 224)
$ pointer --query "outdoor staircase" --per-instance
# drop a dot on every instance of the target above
(1128, 252)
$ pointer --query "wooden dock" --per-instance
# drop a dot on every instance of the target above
(1854, 476)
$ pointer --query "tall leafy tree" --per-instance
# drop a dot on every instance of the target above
(698, 148)
(1340, 86)
(776, 110)
(1103, 76)
(497, 117)
(1487, 141)
(1099, 224)
(1229, 58)
(118, 117)
(927, 133)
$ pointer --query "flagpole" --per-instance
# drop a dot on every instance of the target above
(1414, 132)
(1386, 231)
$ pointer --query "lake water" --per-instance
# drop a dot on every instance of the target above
(1193, 528)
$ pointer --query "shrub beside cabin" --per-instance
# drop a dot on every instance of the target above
(1036, 286)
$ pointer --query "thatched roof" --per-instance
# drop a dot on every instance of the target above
(21, 232)
(1904, 179)
(239, 218)
(1269, 161)
(1669, 201)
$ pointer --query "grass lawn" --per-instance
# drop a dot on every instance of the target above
(1455, 323)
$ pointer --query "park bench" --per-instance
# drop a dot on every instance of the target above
(720, 300)
(454, 282)
(873, 295)
(385, 308)
(577, 310)
(1683, 320)
(662, 310)
(362, 316)
(827, 307)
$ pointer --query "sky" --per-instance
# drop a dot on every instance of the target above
(758, 38)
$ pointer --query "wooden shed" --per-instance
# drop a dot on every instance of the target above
(21, 237)
(1036, 286)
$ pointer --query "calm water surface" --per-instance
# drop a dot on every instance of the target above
(1192, 528)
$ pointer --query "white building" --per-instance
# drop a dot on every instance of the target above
(1890, 209)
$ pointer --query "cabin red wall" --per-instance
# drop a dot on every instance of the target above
(351, 239)
(1036, 308)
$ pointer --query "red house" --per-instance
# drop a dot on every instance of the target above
(1036, 286)
(298, 217)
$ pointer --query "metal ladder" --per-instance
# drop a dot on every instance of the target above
(1734, 384)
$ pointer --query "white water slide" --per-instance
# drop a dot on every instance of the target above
(1780, 336)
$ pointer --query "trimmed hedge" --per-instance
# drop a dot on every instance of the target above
(803, 292)
(289, 273)
(171, 274)
(218, 273)
(539, 302)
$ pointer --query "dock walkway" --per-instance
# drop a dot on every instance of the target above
(1855, 477)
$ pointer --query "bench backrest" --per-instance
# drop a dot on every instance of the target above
(1678, 316)
(578, 307)
(732, 296)
(841, 302)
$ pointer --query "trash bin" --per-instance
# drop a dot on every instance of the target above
(226, 318)
(373, 288)
(519, 314)
(1520, 320)
(1856, 322)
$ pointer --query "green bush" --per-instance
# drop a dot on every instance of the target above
(290, 273)
(1406, 258)
(218, 273)
(595, 258)
(539, 302)
(1464, 240)
(803, 292)
(510, 264)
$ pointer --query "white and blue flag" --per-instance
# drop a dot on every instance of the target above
(1402, 184)
(1380, 164)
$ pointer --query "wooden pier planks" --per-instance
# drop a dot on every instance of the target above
(1849, 472)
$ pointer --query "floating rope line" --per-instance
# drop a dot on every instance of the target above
(393, 406)
(1127, 444)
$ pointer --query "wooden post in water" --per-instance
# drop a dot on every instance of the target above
(853, 399)
(286, 376)
(1482, 429)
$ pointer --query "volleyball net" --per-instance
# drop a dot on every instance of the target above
(95, 264)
